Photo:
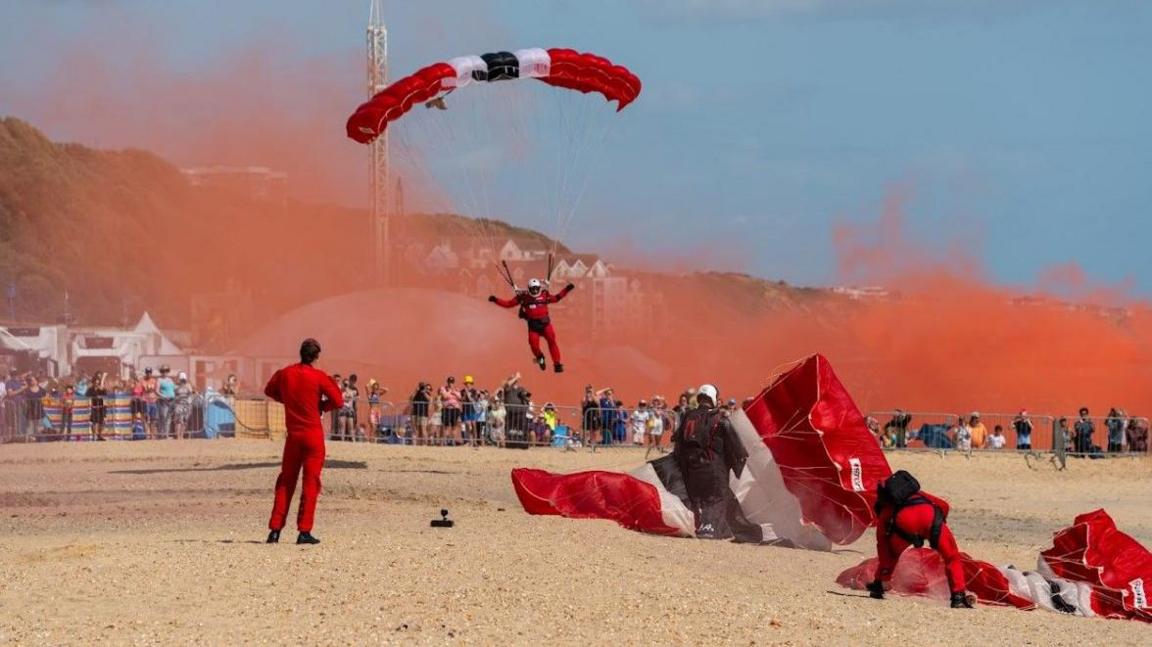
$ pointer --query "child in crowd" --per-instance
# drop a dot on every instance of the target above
(138, 430)
(656, 422)
(997, 440)
(67, 411)
(962, 436)
(640, 417)
(497, 418)
(436, 422)
(550, 418)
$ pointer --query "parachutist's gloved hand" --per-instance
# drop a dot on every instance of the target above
(875, 590)
(569, 287)
(491, 299)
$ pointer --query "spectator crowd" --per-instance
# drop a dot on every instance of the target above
(505, 415)
(1085, 435)
(149, 405)
(157, 404)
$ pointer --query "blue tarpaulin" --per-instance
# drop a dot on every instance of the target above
(219, 419)
(935, 436)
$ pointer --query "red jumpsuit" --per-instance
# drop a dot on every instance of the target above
(534, 309)
(298, 388)
(916, 519)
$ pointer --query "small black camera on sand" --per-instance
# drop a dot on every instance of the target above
(444, 521)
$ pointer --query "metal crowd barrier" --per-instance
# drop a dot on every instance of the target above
(215, 416)
(1060, 435)
(1097, 436)
(124, 418)
(519, 426)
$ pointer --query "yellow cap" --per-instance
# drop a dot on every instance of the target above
(467, 379)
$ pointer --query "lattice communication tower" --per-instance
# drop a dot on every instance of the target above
(377, 81)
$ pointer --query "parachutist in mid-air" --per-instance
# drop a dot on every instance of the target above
(437, 103)
(533, 304)
(908, 516)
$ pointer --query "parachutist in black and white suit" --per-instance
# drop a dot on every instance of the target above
(706, 450)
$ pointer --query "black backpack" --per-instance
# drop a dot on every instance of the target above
(899, 487)
(696, 430)
(901, 490)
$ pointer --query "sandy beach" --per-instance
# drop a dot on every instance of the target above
(162, 543)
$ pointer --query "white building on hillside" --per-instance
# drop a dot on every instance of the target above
(66, 350)
(580, 266)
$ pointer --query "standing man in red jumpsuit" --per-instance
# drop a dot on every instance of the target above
(306, 393)
(534, 309)
(908, 516)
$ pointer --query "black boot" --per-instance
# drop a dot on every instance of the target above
(307, 538)
(559, 368)
(961, 601)
(273, 537)
(540, 363)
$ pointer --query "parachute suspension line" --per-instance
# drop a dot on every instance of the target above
(511, 114)
(782, 368)
(471, 175)
(443, 136)
(503, 112)
(587, 132)
(564, 159)
(483, 212)
(431, 138)
(567, 219)
(529, 114)
(491, 115)
(574, 134)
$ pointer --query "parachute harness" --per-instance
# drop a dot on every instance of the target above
(933, 537)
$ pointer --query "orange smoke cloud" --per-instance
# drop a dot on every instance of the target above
(942, 341)
(946, 341)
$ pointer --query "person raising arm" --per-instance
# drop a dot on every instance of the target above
(306, 393)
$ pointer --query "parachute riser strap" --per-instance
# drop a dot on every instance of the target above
(937, 526)
(507, 275)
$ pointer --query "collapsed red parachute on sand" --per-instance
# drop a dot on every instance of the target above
(810, 478)
(920, 572)
(1092, 569)
(1116, 567)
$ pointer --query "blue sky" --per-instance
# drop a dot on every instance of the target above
(1021, 129)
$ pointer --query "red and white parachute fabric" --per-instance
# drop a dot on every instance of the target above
(1093, 570)
(810, 476)
(920, 572)
(560, 67)
(1116, 568)
(637, 501)
(828, 459)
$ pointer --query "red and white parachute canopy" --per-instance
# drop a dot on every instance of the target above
(563, 68)
(810, 477)
(828, 459)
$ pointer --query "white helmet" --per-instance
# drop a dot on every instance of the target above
(534, 286)
(708, 391)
